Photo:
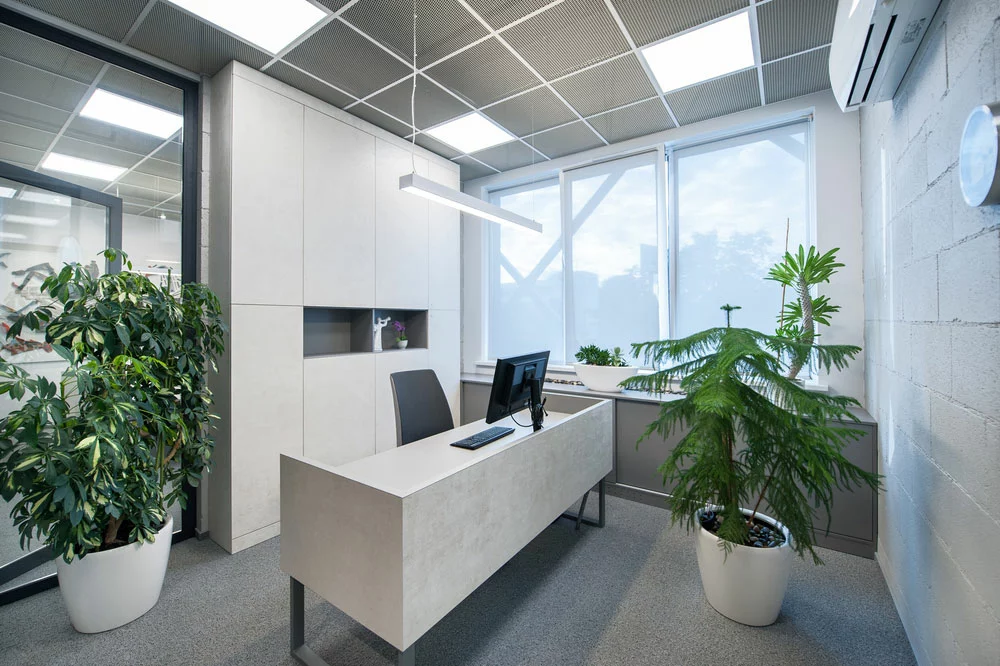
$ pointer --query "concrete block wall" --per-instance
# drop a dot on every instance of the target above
(932, 287)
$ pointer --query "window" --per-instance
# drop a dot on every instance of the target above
(649, 246)
(735, 200)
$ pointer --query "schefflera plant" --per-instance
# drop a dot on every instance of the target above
(95, 459)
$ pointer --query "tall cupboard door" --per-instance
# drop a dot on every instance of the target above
(444, 252)
(339, 214)
(401, 232)
(339, 408)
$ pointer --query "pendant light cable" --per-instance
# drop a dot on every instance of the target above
(413, 96)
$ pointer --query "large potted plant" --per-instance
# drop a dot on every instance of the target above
(602, 369)
(753, 440)
(93, 462)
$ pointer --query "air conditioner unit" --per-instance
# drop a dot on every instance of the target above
(873, 44)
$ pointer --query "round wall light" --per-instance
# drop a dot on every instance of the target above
(979, 156)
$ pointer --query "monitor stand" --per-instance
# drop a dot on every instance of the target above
(537, 404)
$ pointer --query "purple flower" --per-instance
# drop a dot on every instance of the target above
(399, 326)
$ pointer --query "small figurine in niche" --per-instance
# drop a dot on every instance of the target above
(380, 323)
(400, 328)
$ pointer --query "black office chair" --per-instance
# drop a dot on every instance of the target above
(421, 407)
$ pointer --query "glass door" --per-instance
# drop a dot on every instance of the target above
(45, 222)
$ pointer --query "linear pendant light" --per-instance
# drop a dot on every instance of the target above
(442, 194)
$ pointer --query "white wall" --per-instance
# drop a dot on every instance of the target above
(306, 211)
(932, 279)
(838, 217)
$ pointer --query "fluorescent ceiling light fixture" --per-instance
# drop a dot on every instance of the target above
(270, 24)
(31, 219)
(7, 192)
(81, 167)
(45, 198)
(4, 235)
(705, 53)
(467, 204)
(131, 114)
(471, 133)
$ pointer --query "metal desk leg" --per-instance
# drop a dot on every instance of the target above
(579, 518)
(302, 652)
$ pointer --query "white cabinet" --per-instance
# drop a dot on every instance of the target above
(266, 196)
(339, 216)
(266, 409)
(401, 261)
(444, 355)
(444, 239)
(387, 363)
(339, 408)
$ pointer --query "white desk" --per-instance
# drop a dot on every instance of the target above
(399, 539)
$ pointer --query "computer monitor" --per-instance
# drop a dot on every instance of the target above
(513, 381)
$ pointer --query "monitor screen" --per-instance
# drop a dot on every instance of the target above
(511, 384)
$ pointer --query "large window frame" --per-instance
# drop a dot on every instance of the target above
(668, 223)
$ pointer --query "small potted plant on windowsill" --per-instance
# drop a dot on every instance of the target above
(401, 339)
(602, 369)
(93, 461)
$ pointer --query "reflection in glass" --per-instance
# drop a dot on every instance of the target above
(734, 200)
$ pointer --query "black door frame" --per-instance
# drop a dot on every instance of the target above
(189, 213)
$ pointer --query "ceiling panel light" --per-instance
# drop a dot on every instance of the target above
(45, 198)
(719, 48)
(131, 114)
(270, 24)
(81, 167)
(7, 192)
(471, 133)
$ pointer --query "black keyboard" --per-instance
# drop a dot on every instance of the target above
(482, 438)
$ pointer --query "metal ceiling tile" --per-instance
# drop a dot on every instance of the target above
(649, 21)
(799, 75)
(307, 84)
(339, 55)
(164, 186)
(28, 137)
(172, 152)
(20, 80)
(443, 27)
(501, 13)
(484, 73)
(30, 114)
(433, 105)
(333, 4)
(68, 145)
(45, 55)
(567, 37)
(632, 121)
(160, 168)
(507, 156)
(144, 89)
(435, 146)
(180, 38)
(729, 94)
(531, 112)
(106, 134)
(791, 26)
(471, 169)
(111, 18)
(608, 86)
(378, 118)
(19, 155)
(565, 140)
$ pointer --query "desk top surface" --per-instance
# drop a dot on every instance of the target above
(406, 469)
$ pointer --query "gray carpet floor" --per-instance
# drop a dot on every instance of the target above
(628, 594)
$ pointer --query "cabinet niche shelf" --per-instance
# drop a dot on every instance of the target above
(337, 331)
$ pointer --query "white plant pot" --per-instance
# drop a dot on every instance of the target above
(603, 378)
(402, 343)
(111, 588)
(749, 584)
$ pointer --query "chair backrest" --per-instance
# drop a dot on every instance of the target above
(421, 407)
